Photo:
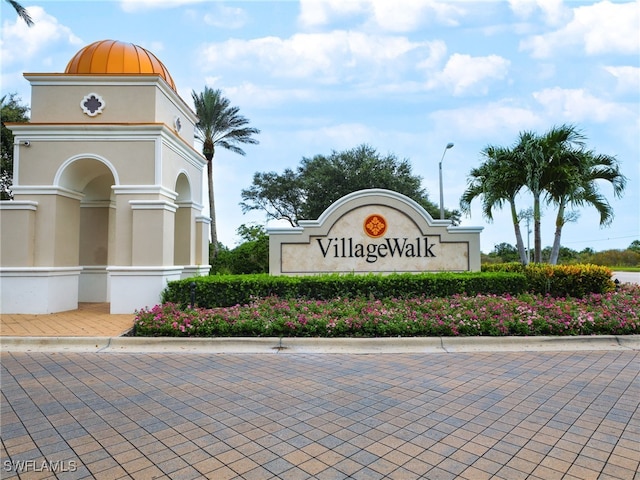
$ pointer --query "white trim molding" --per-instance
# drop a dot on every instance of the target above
(18, 205)
(46, 190)
(153, 205)
(144, 190)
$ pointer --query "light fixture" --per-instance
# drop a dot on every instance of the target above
(449, 145)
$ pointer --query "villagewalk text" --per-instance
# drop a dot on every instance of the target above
(401, 247)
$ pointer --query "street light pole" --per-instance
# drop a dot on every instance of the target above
(449, 145)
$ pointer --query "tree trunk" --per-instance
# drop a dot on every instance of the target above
(537, 253)
(555, 250)
(519, 243)
(212, 208)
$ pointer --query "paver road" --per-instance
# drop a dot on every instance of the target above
(536, 415)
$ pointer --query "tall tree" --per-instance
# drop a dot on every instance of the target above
(22, 12)
(11, 111)
(542, 158)
(219, 124)
(555, 168)
(306, 192)
(497, 180)
(576, 184)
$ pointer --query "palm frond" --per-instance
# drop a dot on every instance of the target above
(22, 12)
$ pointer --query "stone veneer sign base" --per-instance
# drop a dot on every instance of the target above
(373, 231)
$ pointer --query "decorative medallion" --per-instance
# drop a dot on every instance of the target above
(92, 104)
(177, 124)
(375, 225)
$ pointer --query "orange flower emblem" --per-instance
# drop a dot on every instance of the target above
(375, 225)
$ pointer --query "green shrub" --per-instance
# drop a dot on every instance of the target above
(228, 290)
(504, 267)
(618, 258)
(560, 280)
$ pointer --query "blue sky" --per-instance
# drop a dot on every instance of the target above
(404, 76)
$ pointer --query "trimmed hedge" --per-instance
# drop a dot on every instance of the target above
(228, 290)
(560, 280)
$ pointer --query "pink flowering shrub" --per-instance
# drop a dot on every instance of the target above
(613, 313)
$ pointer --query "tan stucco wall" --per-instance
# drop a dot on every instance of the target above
(61, 103)
(56, 231)
(184, 235)
(94, 235)
(153, 233)
(129, 99)
(38, 164)
(166, 112)
(175, 165)
(17, 227)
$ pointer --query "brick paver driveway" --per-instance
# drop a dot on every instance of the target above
(537, 415)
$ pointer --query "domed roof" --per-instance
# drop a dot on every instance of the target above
(114, 57)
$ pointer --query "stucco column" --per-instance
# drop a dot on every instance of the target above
(57, 224)
(152, 232)
(202, 240)
(17, 224)
(40, 272)
(185, 234)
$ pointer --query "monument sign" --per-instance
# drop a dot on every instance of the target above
(377, 231)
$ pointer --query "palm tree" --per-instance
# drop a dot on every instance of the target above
(219, 124)
(576, 184)
(553, 167)
(22, 12)
(497, 180)
(541, 160)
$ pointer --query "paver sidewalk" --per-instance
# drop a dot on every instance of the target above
(89, 320)
(503, 415)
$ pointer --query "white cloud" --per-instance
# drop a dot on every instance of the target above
(260, 96)
(497, 122)
(21, 43)
(226, 17)
(339, 56)
(437, 52)
(465, 74)
(141, 5)
(553, 11)
(396, 16)
(337, 137)
(409, 15)
(597, 29)
(523, 8)
(577, 105)
(320, 12)
(628, 78)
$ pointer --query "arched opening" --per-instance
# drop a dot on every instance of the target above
(95, 213)
(184, 229)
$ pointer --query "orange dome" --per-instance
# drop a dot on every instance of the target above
(113, 57)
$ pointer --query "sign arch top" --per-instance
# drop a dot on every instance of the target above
(374, 230)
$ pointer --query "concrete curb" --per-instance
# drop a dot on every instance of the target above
(288, 345)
